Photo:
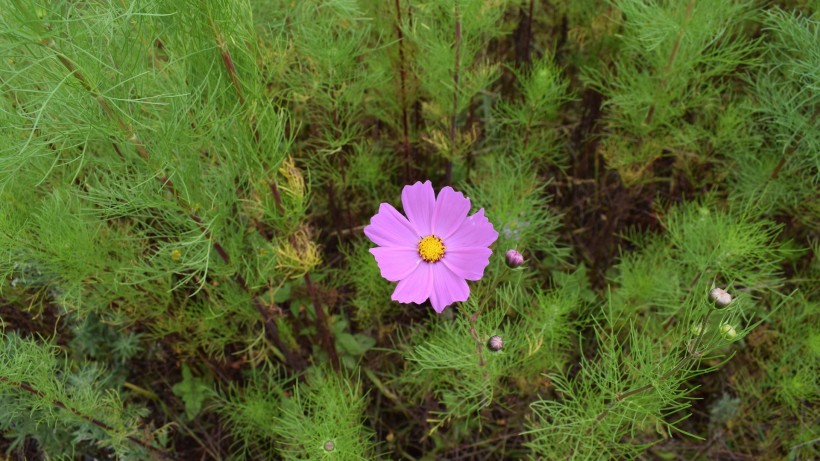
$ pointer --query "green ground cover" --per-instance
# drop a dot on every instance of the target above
(185, 271)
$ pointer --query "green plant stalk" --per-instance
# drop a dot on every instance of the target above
(672, 56)
(693, 355)
(792, 148)
(479, 350)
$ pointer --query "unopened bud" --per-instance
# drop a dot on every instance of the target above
(330, 446)
(514, 259)
(696, 329)
(721, 297)
(495, 343)
(728, 332)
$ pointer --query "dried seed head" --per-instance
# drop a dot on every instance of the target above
(299, 253)
(728, 332)
(295, 178)
(495, 343)
(721, 297)
(330, 446)
(514, 259)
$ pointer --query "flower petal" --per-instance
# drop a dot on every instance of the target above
(396, 263)
(468, 263)
(450, 212)
(475, 231)
(390, 229)
(447, 288)
(416, 287)
(418, 202)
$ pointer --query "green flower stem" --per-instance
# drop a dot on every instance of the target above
(693, 355)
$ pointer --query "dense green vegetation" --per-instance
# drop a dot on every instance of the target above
(184, 188)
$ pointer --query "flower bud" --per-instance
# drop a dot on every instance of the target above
(728, 332)
(495, 343)
(696, 329)
(721, 297)
(514, 259)
(330, 446)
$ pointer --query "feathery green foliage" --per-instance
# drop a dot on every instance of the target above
(658, 332)
(64, 409)
(665, 86)
(183, 188)
(782, 171)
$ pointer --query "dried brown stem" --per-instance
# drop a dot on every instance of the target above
(272, 332)
(227, 59)
(405, 116)
(448, 173)
(523, 39)
(230, 67)
(321, 324)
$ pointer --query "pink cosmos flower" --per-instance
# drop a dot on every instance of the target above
(435, 249)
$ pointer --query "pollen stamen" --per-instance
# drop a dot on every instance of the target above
(431, 248)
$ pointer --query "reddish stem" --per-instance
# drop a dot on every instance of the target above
(273, 336)
(321, 324)
(405, 117)
(448, 172)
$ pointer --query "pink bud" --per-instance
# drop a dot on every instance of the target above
(720, 296)
(514, 259)
(495, 343)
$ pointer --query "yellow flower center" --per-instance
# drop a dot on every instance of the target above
(431, 248)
